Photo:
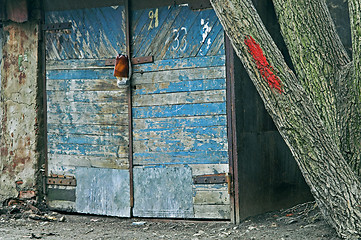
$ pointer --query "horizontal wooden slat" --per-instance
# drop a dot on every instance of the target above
(84, 107)
(179, 122)
(200, 109)
(182, 133)
(159, 65)
(211, 197)
(179, 75)
(87, 96)
(212, 211)
(98, 130)
(183, 86)
(180, 98)
(170, 145)
(202, 169)
(82, 119)
(87, 139)
(88, 150)
(71, 161)
(83, 84)
(67, 206)
(208, 157)
(106, 73)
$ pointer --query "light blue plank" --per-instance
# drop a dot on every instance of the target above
(163, 192)
(81, 74)
(202, 109)
(180, 145)
(103, 191)
(174, 64)
(181, 122)
(184, 86)
(91, 119)
(203, 157)
(84, 150)
(87, 139)
(99, 130)
(81, 107)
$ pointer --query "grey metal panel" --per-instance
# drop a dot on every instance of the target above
(102, 191)
(163, 192)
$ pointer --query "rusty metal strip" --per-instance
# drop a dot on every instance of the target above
(211, 179)
(61, 180)
(135, 61)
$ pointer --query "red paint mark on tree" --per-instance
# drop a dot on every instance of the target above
(262, 64)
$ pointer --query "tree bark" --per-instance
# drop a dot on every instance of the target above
(334, 185)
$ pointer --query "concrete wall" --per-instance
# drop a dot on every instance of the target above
(19, 123)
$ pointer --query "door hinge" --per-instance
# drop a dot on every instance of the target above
(214, 179)
(61, 180)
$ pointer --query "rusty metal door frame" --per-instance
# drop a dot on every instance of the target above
(231, 131)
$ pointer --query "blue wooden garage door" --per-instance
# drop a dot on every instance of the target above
(87, 112)
(179, 113)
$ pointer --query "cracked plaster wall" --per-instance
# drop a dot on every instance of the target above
(19, 131)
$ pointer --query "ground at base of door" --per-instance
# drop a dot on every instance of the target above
(300, 222)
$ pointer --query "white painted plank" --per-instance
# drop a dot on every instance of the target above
(202, 169)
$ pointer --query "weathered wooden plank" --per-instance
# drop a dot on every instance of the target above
(206, 157)
(179, 75)
(212, 43)
(87, 139)
(158, 65)
(91, 119)
(92, 36)
(163, 192)
(211, 198)
(179, 122)
(193, 38)
(151, 28)
(98, 130)
(160, 38)
(181, 63)
(198, 109)
(171, 145)
(218, 44)
(183, 86)
(180, 35)
(84, 107)
(106, 73)
(87, 96)
(103, 191)
(202, 169)
(210, 187)
(83, 84)
(88, 150)
(212, 211)
(71, 161)
(67, 206)
(212, 96)
(217, 132)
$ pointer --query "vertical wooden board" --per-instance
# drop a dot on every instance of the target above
(163, 192)
(103, 191)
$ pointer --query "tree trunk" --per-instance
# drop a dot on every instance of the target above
(299, 118)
